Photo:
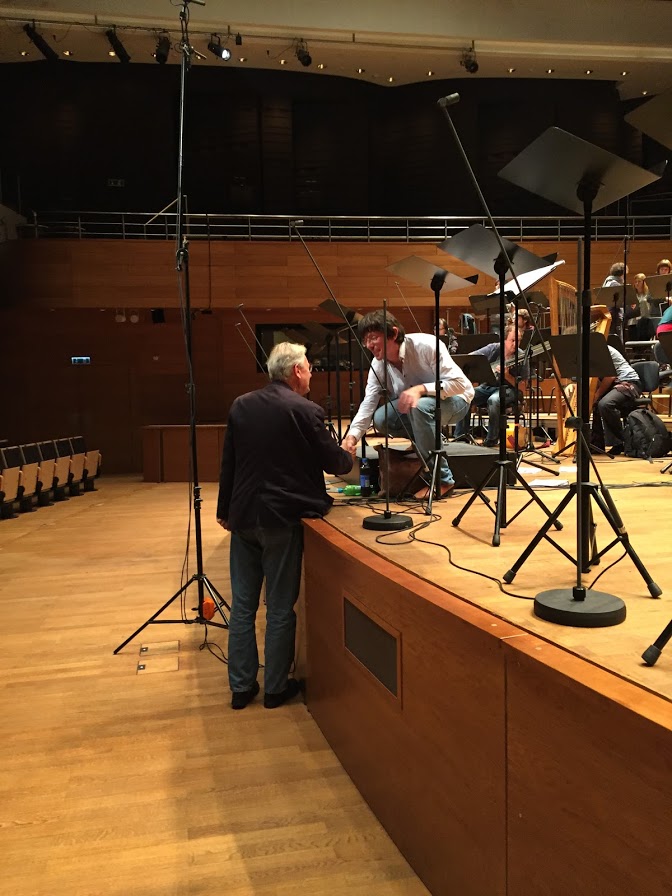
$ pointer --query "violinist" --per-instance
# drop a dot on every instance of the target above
(515, 376)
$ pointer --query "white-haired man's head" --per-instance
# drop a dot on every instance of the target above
(287, 362)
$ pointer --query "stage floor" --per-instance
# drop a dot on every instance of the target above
(464, 562)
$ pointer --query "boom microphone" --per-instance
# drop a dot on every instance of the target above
(296, 222)
(449, 100)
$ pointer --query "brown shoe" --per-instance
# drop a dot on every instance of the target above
(445, 491)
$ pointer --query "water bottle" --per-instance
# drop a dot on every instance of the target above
(352, 491)
(365, 477)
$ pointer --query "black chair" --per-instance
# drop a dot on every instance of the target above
(648, 373)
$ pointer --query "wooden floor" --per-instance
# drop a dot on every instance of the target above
(643, 497)
(116, 781)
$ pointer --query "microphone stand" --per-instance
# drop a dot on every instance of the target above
(182, 266)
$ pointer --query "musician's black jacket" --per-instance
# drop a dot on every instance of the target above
(276, 448)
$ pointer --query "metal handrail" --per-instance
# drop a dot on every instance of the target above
(331, 228)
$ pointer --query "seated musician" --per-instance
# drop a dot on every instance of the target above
(614, 399)
(487, 395)
(664, 266)
(410, 384)
(641, 327)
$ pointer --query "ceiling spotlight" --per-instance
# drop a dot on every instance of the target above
(625, 73)
(162, 49)
(302, 53)
(589, 71)
(67, 53)
(49, 54)
(645, 92)
(390, 79)
(283, 62)
(511, 70)
(24, 52)
(242, 59)
(239, 40)
(321, 66)
(468, 60)
(216, 48)
(549, 71)
(430, 73)
(118, 49)
(360, 71)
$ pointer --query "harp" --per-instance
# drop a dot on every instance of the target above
(564, 309)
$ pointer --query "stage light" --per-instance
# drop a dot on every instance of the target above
(468, 60)
(49, 54)
(216, 48)
(118, 49)
(302, 54)
(162, 49)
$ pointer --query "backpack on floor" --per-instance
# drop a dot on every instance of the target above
(645, 435)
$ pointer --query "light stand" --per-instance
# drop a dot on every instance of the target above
(602, 177)
(182, 266)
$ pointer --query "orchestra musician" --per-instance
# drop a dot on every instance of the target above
(614, 399)
(515, 376)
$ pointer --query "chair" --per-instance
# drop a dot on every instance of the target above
(30, 455)
(61, 469)
(648, 373)
(11, 460)
(10, 483)
(75, 465)
(92, 462)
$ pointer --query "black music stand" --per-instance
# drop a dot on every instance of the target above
(478, 370)
(660, 288)
(653, 118)
(424, 273)
(583, 178)
(487, 252)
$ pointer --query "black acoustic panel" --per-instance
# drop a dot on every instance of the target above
(372, 645)
(470, 464)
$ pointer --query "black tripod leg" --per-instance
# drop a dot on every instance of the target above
(511, 574)
(652, 653)
(217, 599)
(500, 504)
(478, 493)
(616, 524)
(158, 613)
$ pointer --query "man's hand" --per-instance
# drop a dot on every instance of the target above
(222, 523)
(410, 398)
(349, 444)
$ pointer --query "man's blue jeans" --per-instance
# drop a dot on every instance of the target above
(274, 555)
(418, 423)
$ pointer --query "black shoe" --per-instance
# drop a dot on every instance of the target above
(616, 449)
(490, 443)
(240, 699)
(272, 701)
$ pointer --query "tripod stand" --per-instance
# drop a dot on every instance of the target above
(588, 175)
(182, 266)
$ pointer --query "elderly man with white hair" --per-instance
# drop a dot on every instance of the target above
(275, 451)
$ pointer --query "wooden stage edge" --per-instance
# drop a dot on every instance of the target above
(503, 754)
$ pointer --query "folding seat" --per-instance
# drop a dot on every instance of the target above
(92, 461)
(30, 455)
(75, 465)
(61, 469)
(10, 483)
(13, 459)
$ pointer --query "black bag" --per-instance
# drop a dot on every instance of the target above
(645, 435)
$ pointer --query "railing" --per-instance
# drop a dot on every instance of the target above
(150, 226)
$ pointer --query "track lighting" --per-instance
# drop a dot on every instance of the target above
(468, 60)
(48, 52)
(162, 49)
(302, 53)
(216, 48)
(117, 46)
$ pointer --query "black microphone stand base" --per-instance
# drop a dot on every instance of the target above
(579, 607)
(202, 580)
(387, 522)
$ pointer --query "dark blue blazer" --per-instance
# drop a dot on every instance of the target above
(275, 451)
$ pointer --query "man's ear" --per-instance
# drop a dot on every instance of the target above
(395, 333)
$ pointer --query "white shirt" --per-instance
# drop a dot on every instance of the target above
(417, 354)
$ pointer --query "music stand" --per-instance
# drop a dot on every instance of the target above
(481, 249)
(423, 273)
(660, 287)
(653, 118)
(583, 178)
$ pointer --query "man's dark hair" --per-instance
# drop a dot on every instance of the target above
(374, 321)
(617, 269)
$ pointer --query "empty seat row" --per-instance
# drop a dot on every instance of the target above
(38, 473)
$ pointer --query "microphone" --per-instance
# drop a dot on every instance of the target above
(296, 222)
(449, 100)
